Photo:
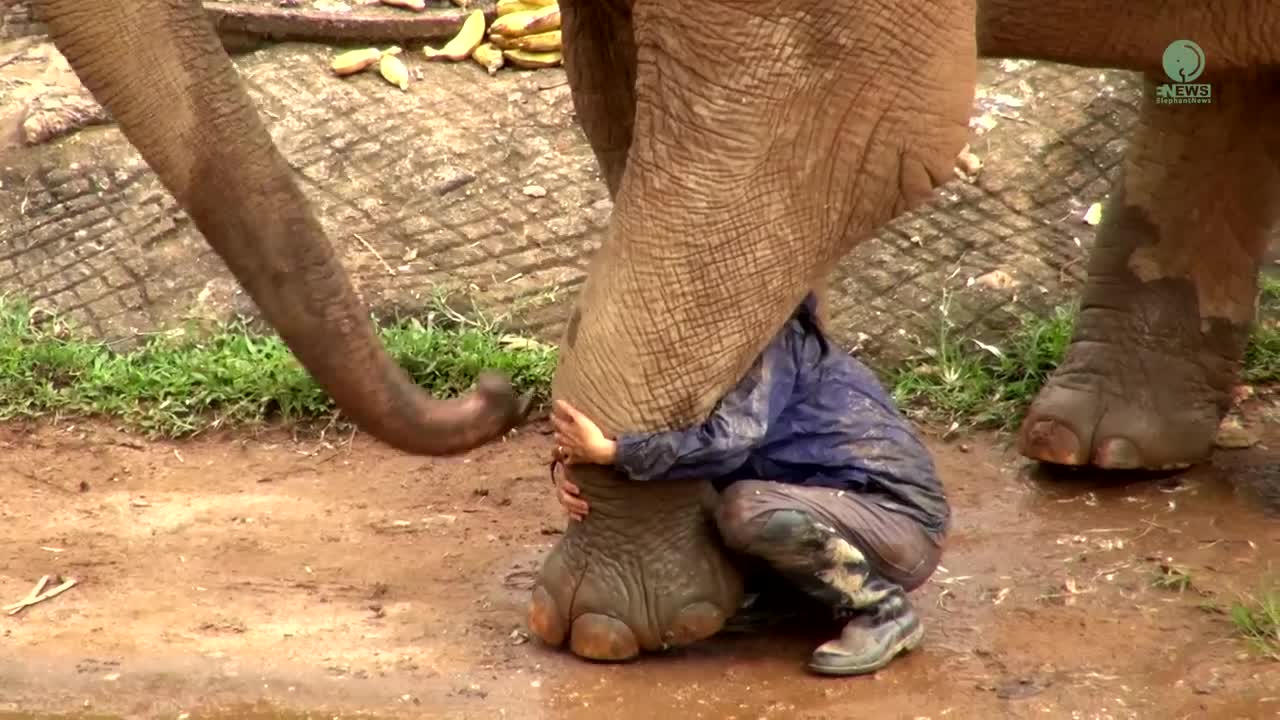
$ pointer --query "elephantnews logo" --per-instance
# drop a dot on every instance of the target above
(1183, 62)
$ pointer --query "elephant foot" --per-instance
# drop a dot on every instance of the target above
(645, 571)
(1172, 284)
(1144, 384)
(1080, 419)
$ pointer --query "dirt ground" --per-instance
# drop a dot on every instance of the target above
(291, 576)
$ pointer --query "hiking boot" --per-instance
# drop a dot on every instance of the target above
(870, 640)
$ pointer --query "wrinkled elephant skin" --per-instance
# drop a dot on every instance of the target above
(161, 72)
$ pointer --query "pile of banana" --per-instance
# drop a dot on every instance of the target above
(525, 34)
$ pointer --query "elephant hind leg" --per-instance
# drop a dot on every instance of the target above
(1169, 302)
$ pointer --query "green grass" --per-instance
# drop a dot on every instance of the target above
(1172, 577)
(962, 381)
(179, 384)
(1257, 620)
(1262, 359)
(175, 386)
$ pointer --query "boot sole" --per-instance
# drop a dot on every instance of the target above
(906, 644)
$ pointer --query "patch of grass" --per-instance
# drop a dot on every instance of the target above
(961, 380)
(1262, 359)
(176, 384)
(1172, 577)
(966, 381)
(1257, 620)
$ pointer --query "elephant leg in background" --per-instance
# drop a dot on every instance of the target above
(1172, 281)
(600, 61)
(759, 154)
(159, 69)
(1130, 35)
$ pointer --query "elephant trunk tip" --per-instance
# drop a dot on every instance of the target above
(459, 425)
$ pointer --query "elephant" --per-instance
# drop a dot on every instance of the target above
(748, 146)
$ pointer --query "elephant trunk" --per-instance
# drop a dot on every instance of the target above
(160, 70)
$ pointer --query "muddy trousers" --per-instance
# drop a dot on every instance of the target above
(842, 549)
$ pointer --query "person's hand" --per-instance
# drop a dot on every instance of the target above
(570, 499)
(578, 440)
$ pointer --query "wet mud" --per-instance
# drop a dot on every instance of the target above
(280, 574)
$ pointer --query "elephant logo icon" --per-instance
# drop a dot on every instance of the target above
(1183, 61)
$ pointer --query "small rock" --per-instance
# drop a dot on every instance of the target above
(1233, 435)
(535, 191)
(1209, 686)
(1240, 393)
(519, 637)
(996, 280)
(967, 165)
(111, 677)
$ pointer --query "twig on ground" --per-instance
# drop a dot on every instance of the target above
(1152, 525)
(38, 595)
(367, 246)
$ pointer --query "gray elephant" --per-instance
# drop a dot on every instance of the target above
(748, 145)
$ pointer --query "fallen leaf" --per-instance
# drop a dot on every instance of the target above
(1233, 435)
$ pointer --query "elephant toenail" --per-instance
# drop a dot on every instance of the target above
(600, 637)
(1117, 454)
(545, 618)
(1052, 442)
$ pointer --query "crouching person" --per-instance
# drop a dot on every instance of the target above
(820, 479)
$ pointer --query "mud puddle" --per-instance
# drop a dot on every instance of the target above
(266, 577)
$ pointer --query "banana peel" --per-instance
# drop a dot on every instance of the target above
(394, 71)
(489, 57)
(506, 7)
(528, 22)
(542, 3)
(353, 61)
(464, 43)
(540, 42)
(415, 5)
(532, 60)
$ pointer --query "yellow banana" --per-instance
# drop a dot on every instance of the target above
(462, 44)
(529, 22)
(506, 7)
(353, 61)
(489, 57)
(543, 3)
(417, 5)
(526, 59)
(541, 42)
(393, 70)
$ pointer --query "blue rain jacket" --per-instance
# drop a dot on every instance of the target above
(808, 414)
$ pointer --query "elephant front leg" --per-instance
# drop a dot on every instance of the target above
(1169, 302)
(757, 155)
